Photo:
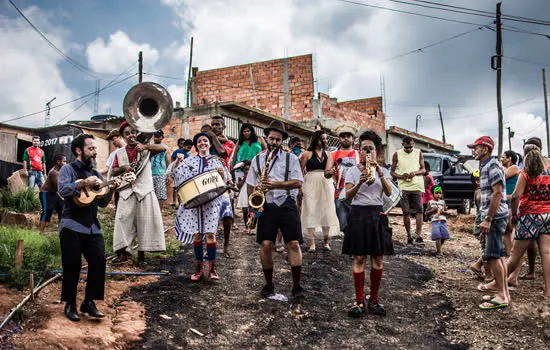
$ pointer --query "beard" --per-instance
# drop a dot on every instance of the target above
(272, 147)
(89, 161)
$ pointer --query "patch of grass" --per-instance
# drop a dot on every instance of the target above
(23, 201)
(40, 254)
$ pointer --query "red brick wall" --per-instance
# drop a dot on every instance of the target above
(234, 84)
(346, 111)
(367, 105)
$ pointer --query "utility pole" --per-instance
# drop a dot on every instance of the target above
(140, 66)
(546, 110)
(188, 97)
(418, 117)
(510, 135)
(441, 119)
(47, 118)
(499, 78)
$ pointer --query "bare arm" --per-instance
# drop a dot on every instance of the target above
(386, 186)
(329, 168)
(249, 189)
(119, 170)
(217, 145)
(234, 157)
(262, 143)
(304, 157)
(153, 149)
(167, 159)
(351, 190)
(518, 192)
(286, 185)
(394, 166)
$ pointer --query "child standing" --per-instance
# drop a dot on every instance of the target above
(436, 209)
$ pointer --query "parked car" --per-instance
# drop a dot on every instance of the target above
(453, 174)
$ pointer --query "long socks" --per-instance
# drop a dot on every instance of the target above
(211, 251)
(296, 275)
(268, 274)
(375, 279)
(359, 281)
(199, 253)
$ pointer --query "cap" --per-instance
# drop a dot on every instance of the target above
(112, 134)
(484, 141)
(122, 126)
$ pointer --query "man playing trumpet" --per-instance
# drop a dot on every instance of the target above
(280, 186)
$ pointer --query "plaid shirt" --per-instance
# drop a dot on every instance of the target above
(491, 173)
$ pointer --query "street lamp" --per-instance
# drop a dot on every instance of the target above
(47, 118)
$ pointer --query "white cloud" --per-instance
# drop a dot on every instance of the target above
(178, 93)
(27, 83)
(115, 55)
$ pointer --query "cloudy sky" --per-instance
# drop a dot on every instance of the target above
(353, 46)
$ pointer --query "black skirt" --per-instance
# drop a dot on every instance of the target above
(368, 232)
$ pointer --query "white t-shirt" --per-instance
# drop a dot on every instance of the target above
(372, 194)
(111, 158)
(439, 204)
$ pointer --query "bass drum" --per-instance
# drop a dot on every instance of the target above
(392, 201)
(201, 189)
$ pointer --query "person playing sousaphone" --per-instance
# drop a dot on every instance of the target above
(197, 224)
(138, 214)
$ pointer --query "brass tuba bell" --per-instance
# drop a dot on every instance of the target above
(147, 107)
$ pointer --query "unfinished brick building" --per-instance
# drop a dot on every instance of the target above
(284, 87)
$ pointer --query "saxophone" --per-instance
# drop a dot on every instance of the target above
(256, 200)
(369, 170)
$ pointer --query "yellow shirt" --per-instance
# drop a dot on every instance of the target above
(407, 163)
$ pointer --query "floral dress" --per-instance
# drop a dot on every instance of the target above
(203, 219)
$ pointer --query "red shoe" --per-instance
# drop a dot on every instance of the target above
(212, 274)
(199, 273)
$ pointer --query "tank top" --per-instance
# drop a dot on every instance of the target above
(511, 184)
(406, 163)
(314, 163)
(536, 197)
(248, 151)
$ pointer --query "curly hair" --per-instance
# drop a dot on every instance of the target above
(534, 163)
(315, 139)
(253, 136)
(372, 136)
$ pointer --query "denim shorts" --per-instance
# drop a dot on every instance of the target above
(36, 178)
(494, 247)
(440, 230)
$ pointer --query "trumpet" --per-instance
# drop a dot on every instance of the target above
(256, 200)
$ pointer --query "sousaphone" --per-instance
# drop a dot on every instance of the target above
(147, 107)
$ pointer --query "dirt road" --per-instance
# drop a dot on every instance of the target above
(231, 314)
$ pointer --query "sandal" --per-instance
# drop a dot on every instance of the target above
(311, 250)
(478, 273)
(492, 304)
(483, 288)
(487, 297)
(527, 277)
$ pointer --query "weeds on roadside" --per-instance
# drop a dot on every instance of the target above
(23, 201)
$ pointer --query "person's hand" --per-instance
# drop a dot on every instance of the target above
(484, 227)
(330, 172)
(25, 172)
(116, 183)
(126, 168)
(268, 185)
(92, 181)
(363, 178)
(140, 147)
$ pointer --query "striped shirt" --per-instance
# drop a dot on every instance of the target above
(491, 173)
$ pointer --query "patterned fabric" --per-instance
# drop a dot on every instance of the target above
(205, 218)
(536, 197)
(159, 183)
(158, 163)
(531, 226)
(226, 211)
(491, 173)
(440, 204)
(349, 159)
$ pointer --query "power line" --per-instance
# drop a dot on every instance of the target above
(70, 60)
(66, 103)
(526, 61)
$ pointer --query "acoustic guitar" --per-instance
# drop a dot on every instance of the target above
(90, 193)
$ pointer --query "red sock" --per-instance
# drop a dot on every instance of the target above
(375, 279)
(359, 279)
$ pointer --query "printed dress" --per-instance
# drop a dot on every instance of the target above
(203, 219)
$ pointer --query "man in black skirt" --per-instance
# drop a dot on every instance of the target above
(280, 211)
(79, 229)
(368, 232)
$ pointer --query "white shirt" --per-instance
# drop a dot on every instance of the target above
(111, 158)
(372, 194)
(277, 173)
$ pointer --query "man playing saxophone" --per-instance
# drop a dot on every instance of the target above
(280, 186)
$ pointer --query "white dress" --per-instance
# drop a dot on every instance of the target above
(203, 219)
